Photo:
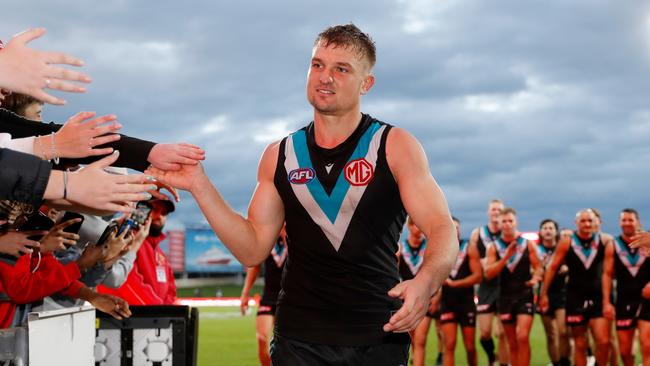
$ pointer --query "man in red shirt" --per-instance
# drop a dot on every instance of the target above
(151, 281)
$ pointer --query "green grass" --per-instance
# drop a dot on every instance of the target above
(227, 338)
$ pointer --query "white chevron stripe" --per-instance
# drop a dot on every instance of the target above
(336, 232)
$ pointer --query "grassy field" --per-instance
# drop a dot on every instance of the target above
(228, 338)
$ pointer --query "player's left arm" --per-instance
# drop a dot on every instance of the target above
(427, 206)
(535, 263)
(476, 270)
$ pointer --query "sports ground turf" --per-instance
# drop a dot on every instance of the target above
(228, 338)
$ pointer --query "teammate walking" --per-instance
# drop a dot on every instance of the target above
(583, 253)
(512, 258)
(457, 306)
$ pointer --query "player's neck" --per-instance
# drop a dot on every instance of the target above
(584, 236)
(332, 130)
(509, 237)
(548, 244)
(493, 226)
(415, 241)
(626, 238)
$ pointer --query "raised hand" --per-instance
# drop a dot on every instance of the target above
(79, 136)
(16, 243)
(28, 71)
(183, 179)
(93, 187)
(641, 240)
(57, 239)
(173, 156)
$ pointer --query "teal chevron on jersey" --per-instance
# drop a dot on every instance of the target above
(332, 212)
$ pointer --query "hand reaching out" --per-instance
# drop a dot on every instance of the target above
(80, 136)
(28, 71)
(16, 243)
(173, 156)
(57, 239)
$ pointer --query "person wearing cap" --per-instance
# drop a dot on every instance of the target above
(151, 281)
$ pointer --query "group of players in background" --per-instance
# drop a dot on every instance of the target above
(584, 283)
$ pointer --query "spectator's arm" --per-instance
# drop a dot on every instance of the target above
(120, 271)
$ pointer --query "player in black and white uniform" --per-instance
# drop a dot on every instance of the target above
(488, 290)
(631, 270)
(411, 256)
(457, 307)
(554, 318)
(513, 259)
(583, 253)
(273, 266)
(344, 184)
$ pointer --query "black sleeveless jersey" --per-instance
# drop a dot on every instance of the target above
(513, 277)
(632, 270)
(545, 255)
(585, 261)
(411, 259)
(459, 271)
(273, 266)
(485, 239)
(344, 216)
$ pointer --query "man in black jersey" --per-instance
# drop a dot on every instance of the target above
(583, 253)
(488, 290)
(411, 255)
(513, 259)
(273, 266)
(554, 318)
(344, 185)
(457, 303)
(631, 270)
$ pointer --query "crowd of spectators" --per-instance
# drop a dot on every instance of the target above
(69, 220)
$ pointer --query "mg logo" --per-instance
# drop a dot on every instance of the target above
(358, 172)
(301, 176)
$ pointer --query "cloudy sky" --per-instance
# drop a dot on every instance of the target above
(541, 104)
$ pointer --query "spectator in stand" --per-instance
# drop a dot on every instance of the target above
(24, 105)
(151, 281)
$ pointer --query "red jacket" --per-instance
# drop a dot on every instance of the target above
(151, 281)
(18, 285)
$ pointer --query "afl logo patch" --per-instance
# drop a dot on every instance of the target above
(301, 176)
(358, 172)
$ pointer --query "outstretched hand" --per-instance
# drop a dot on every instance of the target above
(28, 71)
(174, 156)
(79, 138)
(416, 297)
(93, 187)
(184, 179)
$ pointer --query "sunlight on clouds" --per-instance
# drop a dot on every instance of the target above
(536, 96)
(214, 125)
(422, 15)
(275, 129)
(151, 55)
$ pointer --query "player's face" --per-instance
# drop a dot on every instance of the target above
(337, 78)
(508, 224)
(585, 223)
(628, 223)
(494, 210)
(548, 232)
(158, 214)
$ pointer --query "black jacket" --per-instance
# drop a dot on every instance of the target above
(133, 152)
(23, 177)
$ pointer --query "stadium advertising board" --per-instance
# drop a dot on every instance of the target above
(205, 253)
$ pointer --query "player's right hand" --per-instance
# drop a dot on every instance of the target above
(543, 303)
(609, 311)
(243, 306)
